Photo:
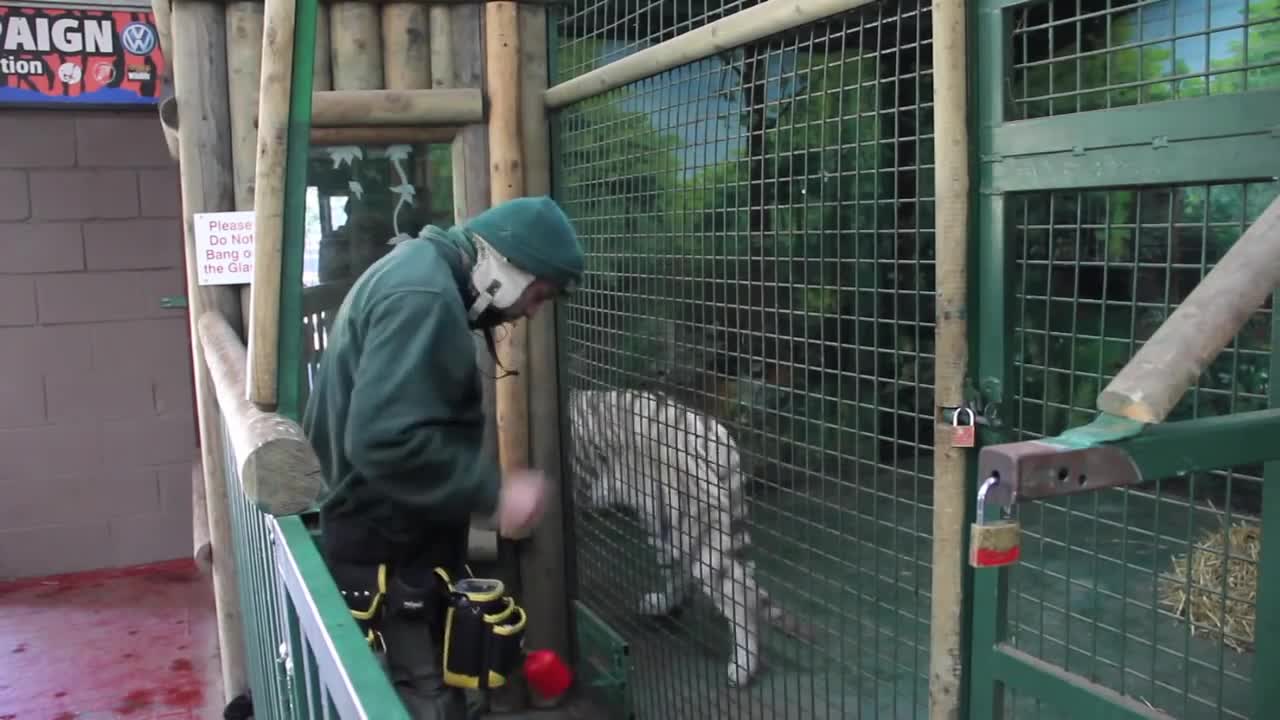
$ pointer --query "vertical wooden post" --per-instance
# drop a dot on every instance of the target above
(459, 38)
(244, 72)
(355, 42)
(200, 84)
(442, 58)
(406, 50)
(322, 77)
(950, 471)
(471, 145)
(506, 182)
(543, 555)
(275, 86)
(200, 519)
(406, 65)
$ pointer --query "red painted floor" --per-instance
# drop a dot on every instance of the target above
(137, 644)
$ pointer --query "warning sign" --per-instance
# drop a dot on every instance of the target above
(224, 247)
(79, 55)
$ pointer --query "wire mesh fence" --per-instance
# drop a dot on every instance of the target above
(1136, 589)
(759, 235)
(1072, 56)
(1150, 592)
(597, 32)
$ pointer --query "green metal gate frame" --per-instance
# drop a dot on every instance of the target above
(1208, 139)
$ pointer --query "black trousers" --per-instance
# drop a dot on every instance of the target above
(412, 621)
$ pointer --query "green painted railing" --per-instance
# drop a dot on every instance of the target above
(305, 657)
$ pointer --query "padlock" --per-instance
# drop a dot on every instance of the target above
(962, 436)
(992, 544)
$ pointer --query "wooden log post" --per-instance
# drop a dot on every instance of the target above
(163, 11)
(506, 182)
(202, 545)
(278, 468)
(244, 73)
(470, 158)
(543, 555)
(406, 48)
(1155, 379)
(355, 42)
(951, 334)
(460, 40)
(275, 87)
(322, 74)
(167, 108)
(442, 59)
(200, 84)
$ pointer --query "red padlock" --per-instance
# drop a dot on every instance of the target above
(548, 675)
(963, 436)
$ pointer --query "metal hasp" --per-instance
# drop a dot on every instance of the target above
(1039, 469)
(1113, 452)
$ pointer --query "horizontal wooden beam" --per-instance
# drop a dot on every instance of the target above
(1155, 379)
(383, 135)
(740, 28)
(277, 466)
(365, 108)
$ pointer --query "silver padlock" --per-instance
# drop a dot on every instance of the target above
(993, 544)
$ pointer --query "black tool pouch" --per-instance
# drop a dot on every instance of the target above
(364, 587)
(483, 633)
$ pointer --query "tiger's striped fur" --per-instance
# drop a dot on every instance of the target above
(680, 472)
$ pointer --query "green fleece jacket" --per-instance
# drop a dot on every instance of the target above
(396, 414)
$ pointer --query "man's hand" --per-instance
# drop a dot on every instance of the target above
(521, 503)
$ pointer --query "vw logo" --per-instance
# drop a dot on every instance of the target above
(138, 38)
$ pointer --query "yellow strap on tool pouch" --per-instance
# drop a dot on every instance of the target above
(483, 633)
(367, 618)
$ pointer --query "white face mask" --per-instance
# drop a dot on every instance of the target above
(497, 282)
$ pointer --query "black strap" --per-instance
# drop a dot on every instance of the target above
(493, 351)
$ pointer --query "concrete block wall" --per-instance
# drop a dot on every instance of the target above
(97, 431)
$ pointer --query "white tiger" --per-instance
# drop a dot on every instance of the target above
(680, 471)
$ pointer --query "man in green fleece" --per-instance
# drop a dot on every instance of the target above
(395, 416)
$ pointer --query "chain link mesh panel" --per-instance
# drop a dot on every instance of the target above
(760, 250)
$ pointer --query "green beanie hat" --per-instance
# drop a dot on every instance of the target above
(536, 236)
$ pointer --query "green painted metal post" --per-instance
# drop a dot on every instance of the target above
(1267, 610)
(991, 323)
(289, 375)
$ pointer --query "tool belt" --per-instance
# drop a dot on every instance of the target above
(483, 629)
(364, 588)
(483, 633)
